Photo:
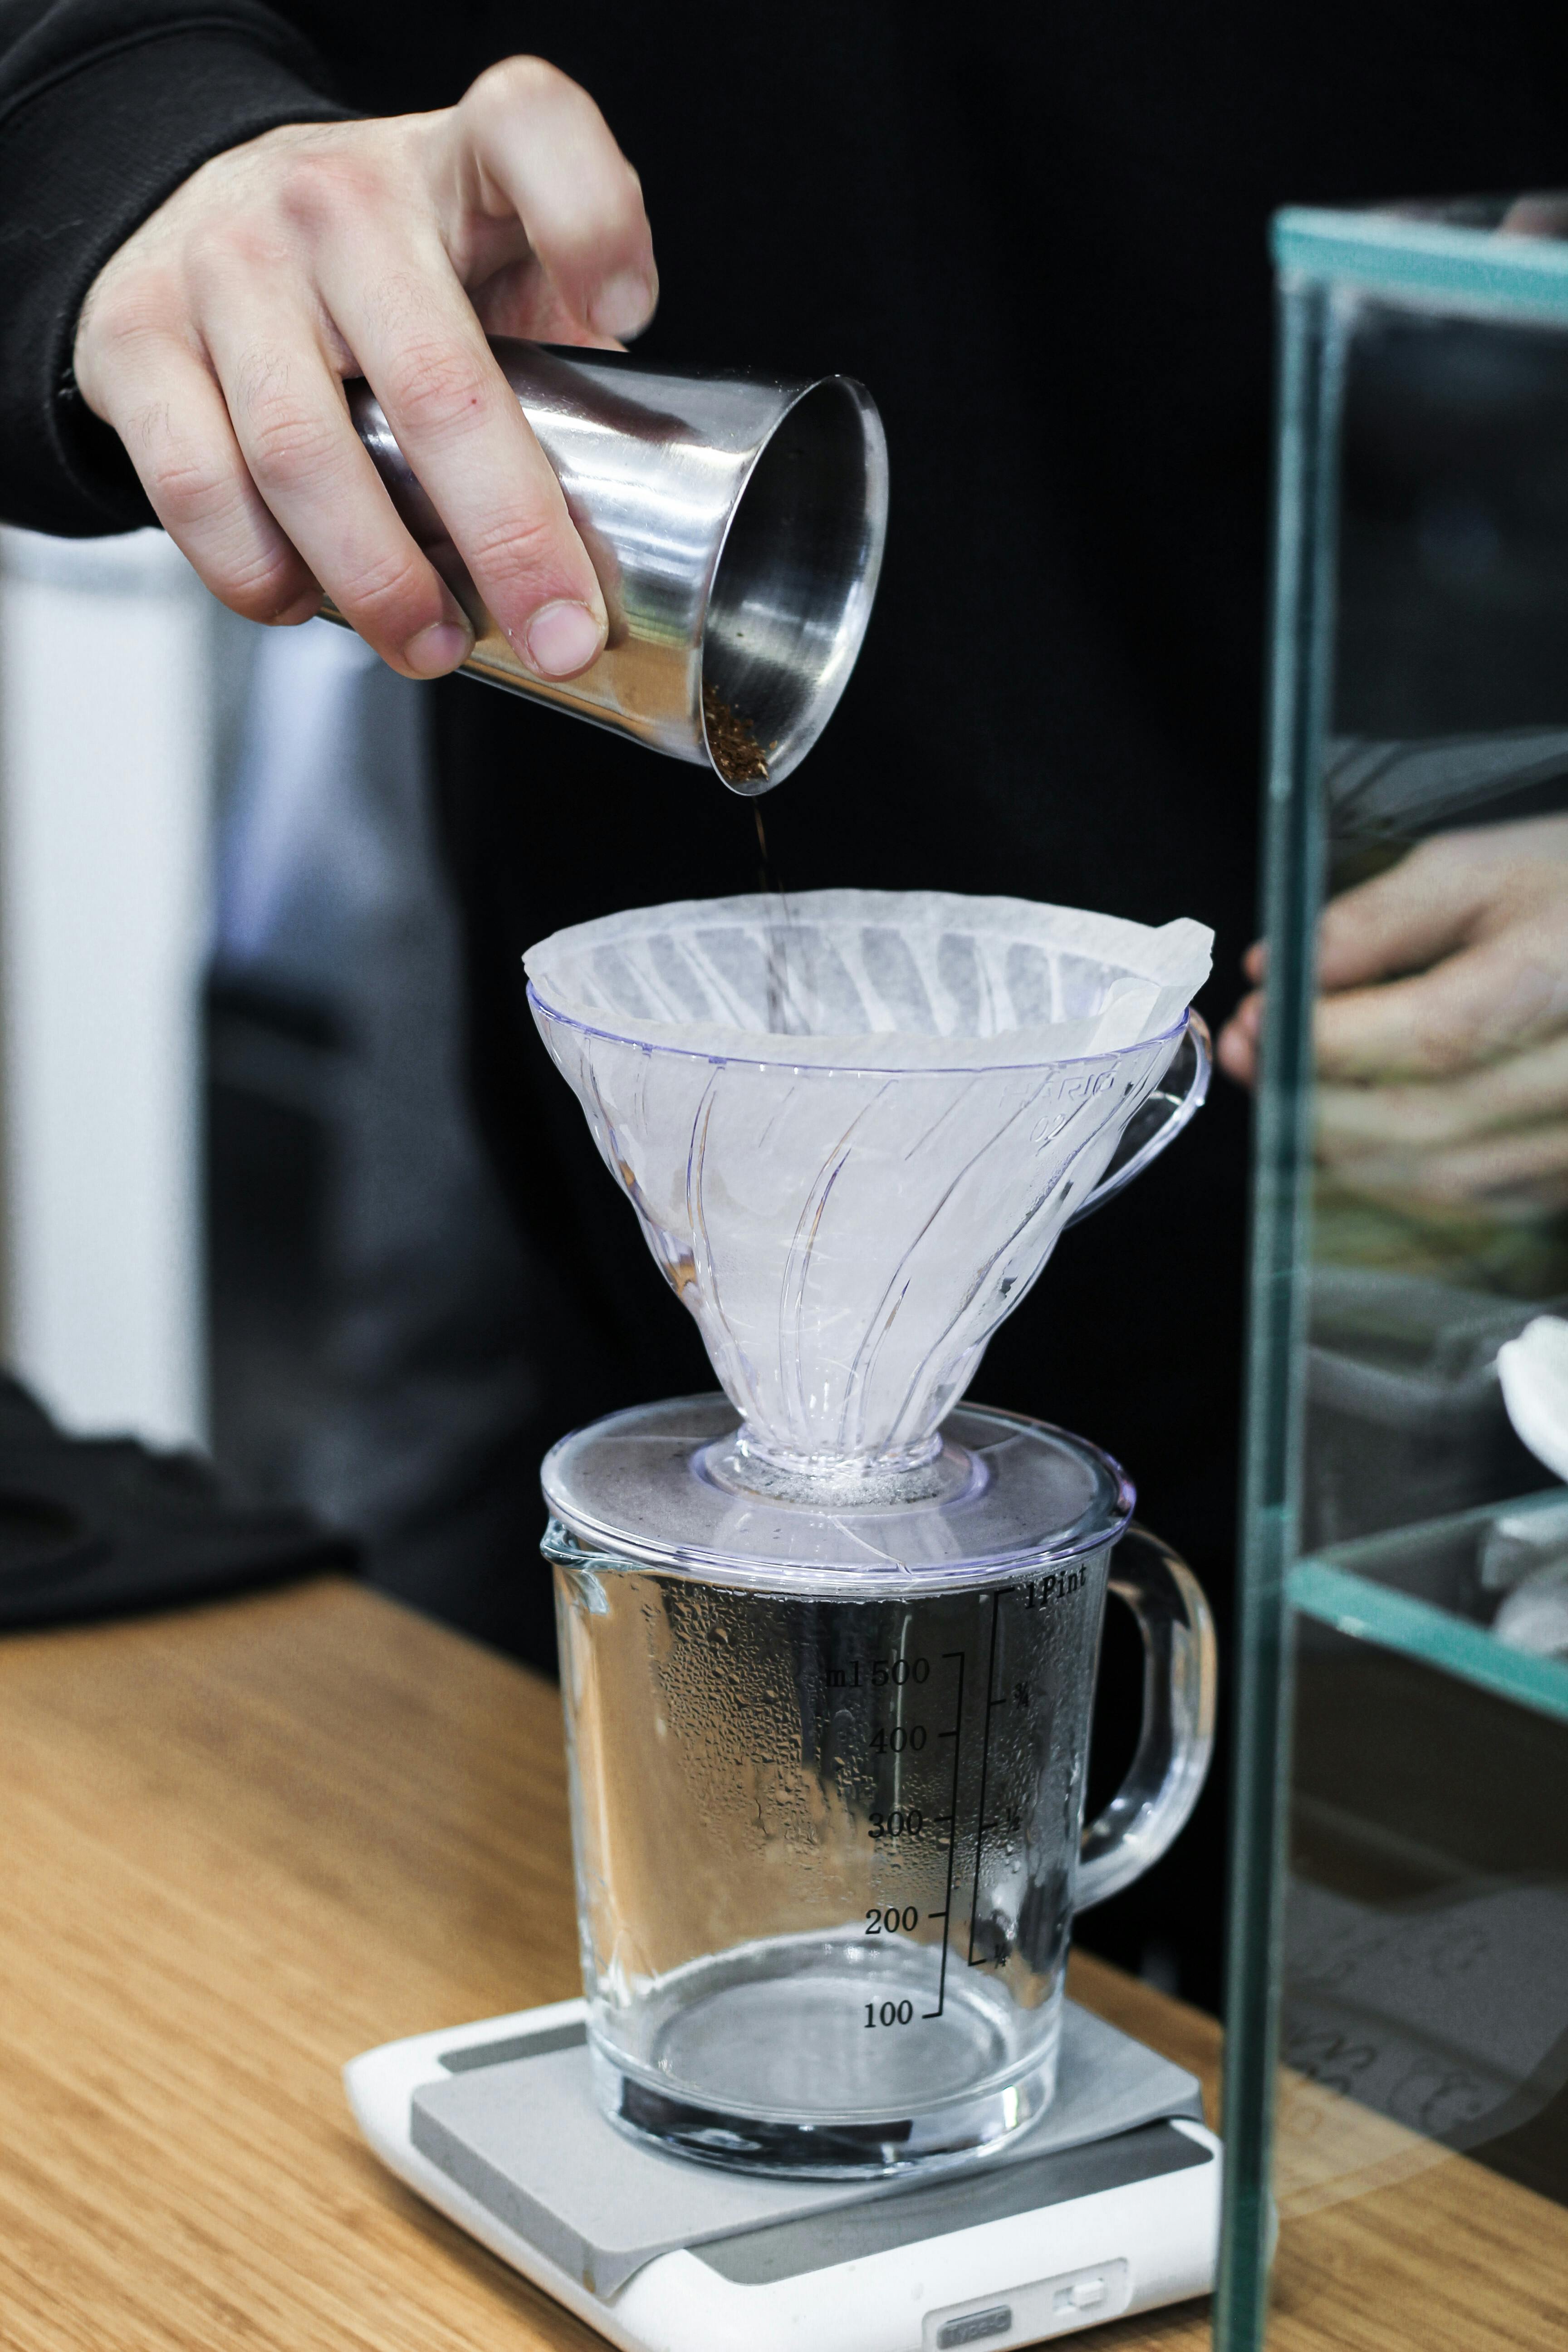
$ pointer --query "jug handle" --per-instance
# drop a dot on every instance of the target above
(1180, 1671)
(1183, 1104)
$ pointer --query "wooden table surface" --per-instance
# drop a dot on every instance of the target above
(239, 1844)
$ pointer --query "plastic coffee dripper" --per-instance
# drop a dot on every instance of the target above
(853, 1137)
(828, 1641)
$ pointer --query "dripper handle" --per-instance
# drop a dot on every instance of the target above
(1180, 1673)
(1182, 1103)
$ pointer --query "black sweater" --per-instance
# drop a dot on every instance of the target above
(1037, 232)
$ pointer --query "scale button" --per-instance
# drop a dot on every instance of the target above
(974, 2326)
(1082, 2295)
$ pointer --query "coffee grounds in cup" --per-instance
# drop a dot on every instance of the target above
(733, 740)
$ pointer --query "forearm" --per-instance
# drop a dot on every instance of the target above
(106, 107)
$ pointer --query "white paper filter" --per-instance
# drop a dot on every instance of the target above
(853, 1124)
(874, 979)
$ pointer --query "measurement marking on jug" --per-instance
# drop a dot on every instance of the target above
(950, 1657)
(894, 1742)
(892, 1921)
(879, 1673)
(984, 1772)
(1038, 1592)
(902, 1821)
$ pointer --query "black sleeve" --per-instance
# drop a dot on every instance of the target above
(106, 106)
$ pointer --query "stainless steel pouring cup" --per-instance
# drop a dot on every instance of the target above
(736, 525)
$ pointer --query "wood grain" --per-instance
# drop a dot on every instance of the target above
(238, 1844)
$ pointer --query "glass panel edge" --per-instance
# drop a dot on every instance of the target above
(1354, 1605)
(1382, 253)
(1308, 402)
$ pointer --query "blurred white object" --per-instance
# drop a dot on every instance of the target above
(103, 801)
(853, 1130)
(1518, 1542)
(304, 856)
(331, 895)
(1534, 1617)
(1533, 1370)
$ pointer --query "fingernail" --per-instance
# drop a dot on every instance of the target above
(300, 608)
(623, 305)
(432, 652)
(561, 639)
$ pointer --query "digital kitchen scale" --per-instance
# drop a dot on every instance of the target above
(1109, 2204)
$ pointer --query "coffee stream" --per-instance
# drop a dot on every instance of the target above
(767, 879)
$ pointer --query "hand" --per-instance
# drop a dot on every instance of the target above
(215, 343)
(1441, 1031)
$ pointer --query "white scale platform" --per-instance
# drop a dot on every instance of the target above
(1109, 2204)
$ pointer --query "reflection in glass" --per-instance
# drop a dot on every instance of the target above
(1407, 1564)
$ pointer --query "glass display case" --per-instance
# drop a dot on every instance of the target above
(1397, 2038)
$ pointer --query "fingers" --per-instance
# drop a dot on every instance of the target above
(1486, 910)
(166, 408)
(1236, 1049)
(527, 143)
(1518, 1171)
(1535, 216)
(406, 317)
(1354, 1121)
(247, 453)
(1420, 909)
(313, 252)
(1473, 1008)
(1473, 1011)
(291, 424)
(521, 301)
(1521, 1174)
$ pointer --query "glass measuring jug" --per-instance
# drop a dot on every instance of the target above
(827, 1832)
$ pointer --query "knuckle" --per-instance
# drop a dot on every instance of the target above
(210, 513)
(513, 82)
(260, 588)
(223, 253)
(288, 443)
(388, 594)
(520, 553)
(1437, 854)
(134, 307)
(191, 479)
(1441, 864)
(186, 485)
(209, 258)
(432, 384)
(321, 187)
(1445, 1039)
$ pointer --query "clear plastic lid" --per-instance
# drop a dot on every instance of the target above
(665, 1484)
